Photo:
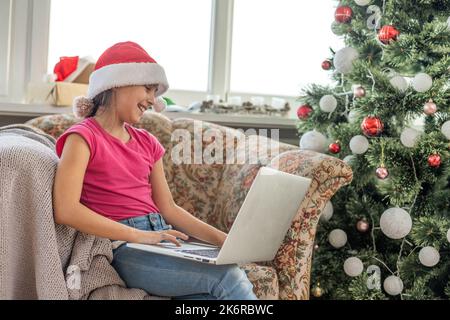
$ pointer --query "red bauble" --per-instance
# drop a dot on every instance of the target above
(372, 126)
(343, 14)
(304, 111)
(430, 108)
(326, 65)
(388, 34)
(382, 173)
(334, 147)
(362, 226)
(434, 160)
(359, 92)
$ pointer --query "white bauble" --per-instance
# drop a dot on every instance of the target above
(337, 238)
(328, 103)
(349, 159)
(399, 83)
(353, 267)
(429, 256)
(448, 235)
(445, 129)
(344, 58)
(422, 82)
(359, 144)
(393, 285)
(313, 140)
(362, 3)
(327, 212)
(353, 115)
(409, 137)
(395, 223)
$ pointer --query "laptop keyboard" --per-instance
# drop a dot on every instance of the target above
(210, 253)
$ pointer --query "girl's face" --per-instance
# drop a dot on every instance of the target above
(132, 101)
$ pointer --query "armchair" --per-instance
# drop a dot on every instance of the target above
(215, 193)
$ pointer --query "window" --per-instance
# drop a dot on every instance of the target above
(176, 33)
(279, 45)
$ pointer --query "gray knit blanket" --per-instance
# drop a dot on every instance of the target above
(38, 258)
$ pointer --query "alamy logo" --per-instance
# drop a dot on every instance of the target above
(213, 146)
(374, 278)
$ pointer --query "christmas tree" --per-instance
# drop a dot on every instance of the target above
(387, 114)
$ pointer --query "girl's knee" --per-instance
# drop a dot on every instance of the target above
(233, 271)
(234, 284)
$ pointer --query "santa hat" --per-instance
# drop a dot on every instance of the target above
(124, 64)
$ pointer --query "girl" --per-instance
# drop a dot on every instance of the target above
(102, 183)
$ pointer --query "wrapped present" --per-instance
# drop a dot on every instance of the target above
(70, 80)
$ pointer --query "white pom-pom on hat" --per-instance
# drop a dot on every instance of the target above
(159, 105)
(82, 106)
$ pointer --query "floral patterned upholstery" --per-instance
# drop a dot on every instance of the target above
(205, 190)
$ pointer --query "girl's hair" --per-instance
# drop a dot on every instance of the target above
(102, 99)
(105, 99)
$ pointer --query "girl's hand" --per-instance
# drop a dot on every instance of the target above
(154, 237)
(222, 237)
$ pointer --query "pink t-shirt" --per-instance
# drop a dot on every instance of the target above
(116, 183)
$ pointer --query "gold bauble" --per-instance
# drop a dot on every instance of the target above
(317, 291)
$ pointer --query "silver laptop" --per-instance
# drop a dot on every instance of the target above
(259, 228)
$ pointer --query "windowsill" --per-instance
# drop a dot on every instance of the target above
(37, 110)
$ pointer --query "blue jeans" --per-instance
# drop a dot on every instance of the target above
(178, 278)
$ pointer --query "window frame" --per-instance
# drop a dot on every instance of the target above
(5, 38)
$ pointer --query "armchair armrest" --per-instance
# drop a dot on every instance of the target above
(293, 259)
